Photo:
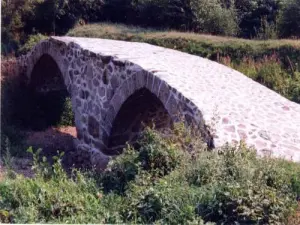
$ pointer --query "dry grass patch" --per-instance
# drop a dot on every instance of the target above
(98, 30)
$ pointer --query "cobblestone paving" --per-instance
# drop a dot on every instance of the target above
(223, 101)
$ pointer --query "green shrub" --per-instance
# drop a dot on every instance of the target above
(267, 30)
(175, 14)
(31, 42)
(294, 87)
(67, 115)
(212, 18)
(289, 22)
(44, 199)
(154, 156)
(246, 204)
(252, 12)
(230, 185)
(246, 190)
(121, 171)
(157, 156)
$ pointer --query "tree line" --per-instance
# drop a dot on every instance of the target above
(262, 19)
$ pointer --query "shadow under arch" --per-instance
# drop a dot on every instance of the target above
(46, 75)
(48, 100)
(139, 110)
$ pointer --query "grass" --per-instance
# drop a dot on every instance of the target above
(255, 58)
(169, 179)
(127, 31)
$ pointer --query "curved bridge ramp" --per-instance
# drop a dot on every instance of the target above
(117, 85)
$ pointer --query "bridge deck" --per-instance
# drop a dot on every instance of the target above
(238, 107)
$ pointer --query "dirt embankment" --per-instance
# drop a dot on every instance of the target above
(51, 140)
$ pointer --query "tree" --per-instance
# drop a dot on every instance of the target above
(251, 13)
(290, 19)
(211, 17)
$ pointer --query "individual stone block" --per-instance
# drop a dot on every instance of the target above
(93, 127)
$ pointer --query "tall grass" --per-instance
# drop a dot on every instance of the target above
(269, 71)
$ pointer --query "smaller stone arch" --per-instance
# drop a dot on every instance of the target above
(46, 88)
(46, 75)
(144, 87)
(141, 109)
(51, 51)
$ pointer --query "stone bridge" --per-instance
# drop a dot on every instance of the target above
(117, 87)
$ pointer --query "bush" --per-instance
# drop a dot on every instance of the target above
(154, 156)
(175, 14)
(290, 19)
(157, 156)
(121, 171)
(243, 18)
(212, 18)
(254, 15)
(40, 199)
(24, 20)
(152, 13)
(228, 186)
(67, 116)
(266, 30)
(31, 42)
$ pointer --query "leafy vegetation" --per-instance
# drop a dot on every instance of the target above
(212, 18)
(242, 18)
(290, 19)
(162, 181)
(31, 42)
(22, 19)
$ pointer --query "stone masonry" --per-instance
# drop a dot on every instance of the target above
(101, 75)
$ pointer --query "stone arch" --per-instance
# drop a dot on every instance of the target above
(141, 109)
(46, 75)
(172, 104)
(55, 52)
(46, 84)
(43, 47)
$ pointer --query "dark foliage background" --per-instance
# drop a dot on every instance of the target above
(262, 19)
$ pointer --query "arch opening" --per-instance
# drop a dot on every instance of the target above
(48, 101)
(140, 110)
